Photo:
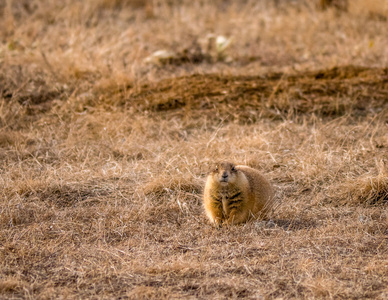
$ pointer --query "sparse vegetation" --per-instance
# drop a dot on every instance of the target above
(103, 156)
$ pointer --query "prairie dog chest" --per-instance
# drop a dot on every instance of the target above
(230, 194)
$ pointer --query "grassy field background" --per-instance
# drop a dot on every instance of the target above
(104, 150)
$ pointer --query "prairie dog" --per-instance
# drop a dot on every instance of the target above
(234, 194)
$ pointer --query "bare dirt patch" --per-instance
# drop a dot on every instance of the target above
(330, 92)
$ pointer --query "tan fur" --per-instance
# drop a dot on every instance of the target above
(234, 194)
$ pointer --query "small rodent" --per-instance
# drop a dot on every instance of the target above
(234, 194)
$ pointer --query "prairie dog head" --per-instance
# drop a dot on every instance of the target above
(224, 173)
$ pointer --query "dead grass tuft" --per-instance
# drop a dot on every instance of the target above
(10, 285)
(168, 184)
(341, 5)
(366, 190)
(8, 139)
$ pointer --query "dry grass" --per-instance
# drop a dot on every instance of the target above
(103, 156)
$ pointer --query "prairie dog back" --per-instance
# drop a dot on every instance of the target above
(261, 188)
(234, 194)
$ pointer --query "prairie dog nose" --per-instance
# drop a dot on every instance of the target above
(225, 175)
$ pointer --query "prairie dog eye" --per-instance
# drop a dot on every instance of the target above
(216, 168)
(233, 168)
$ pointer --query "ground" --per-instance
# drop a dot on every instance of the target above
(104, 148)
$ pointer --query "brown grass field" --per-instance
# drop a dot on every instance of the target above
(104, 153)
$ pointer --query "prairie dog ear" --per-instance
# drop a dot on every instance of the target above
(214, 168)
